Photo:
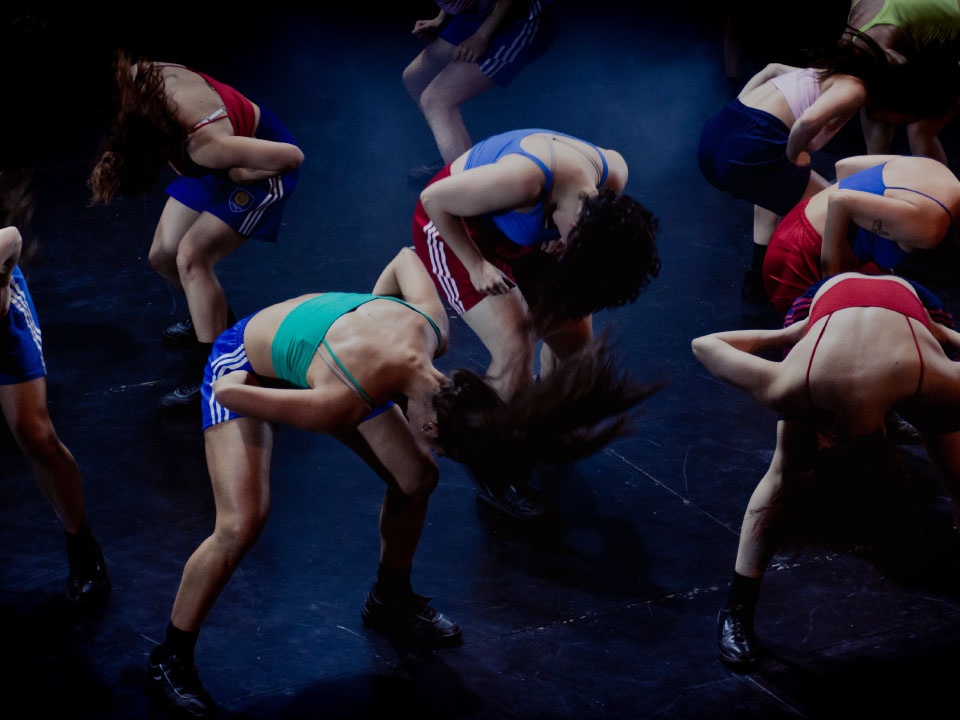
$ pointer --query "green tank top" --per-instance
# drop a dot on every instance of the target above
(923, 21)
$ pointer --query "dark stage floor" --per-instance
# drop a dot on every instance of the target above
(605, 610)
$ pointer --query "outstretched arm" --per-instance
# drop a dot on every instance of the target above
(11, 244)
(733, 357)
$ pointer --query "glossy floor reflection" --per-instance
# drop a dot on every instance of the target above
(605, 610)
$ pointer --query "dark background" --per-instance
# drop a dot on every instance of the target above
(608, 608)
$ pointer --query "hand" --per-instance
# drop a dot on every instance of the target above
(803, 159)
(471, 49)
(554, 248)
(489, 280)
(426, 29)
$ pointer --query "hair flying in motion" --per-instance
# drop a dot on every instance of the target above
(587, 401)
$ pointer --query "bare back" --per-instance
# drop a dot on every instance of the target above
(857, 362)
(381, 344)
(194, 99)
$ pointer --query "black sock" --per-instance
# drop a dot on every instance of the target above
(181, 643)
(744, 591)
(81, 549)
(393, 581)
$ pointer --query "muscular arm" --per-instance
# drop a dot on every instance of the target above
(247, 159)
(307, 410)
(908, 224)
(11, 245)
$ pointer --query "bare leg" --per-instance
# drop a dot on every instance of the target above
(25, 409)
(877, 135)
(563, 342)
(174, 222)
(440, 103)
(187, 247)
(208, 241)
(386, 443)
(500, 323)
(924, 135)
(759, 536)
(426, 66)
(238, 460)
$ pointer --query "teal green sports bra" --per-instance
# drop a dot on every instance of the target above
(305, 327)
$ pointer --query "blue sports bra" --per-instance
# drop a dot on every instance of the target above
(524, 228)
(869, 246)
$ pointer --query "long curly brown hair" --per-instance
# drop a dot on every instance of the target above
(143, 135)
(611, 257)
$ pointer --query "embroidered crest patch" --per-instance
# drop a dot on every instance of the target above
(240, 200)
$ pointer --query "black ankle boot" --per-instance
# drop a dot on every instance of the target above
(88, 581)
(736, 642)
(175, 685)
(186, 396)
(409, 616)
(180, 335)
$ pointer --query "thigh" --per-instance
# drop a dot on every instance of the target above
(210, 238)
(569, 336)
(458, 82)
(387, 444)
(432, 59)
(502, 324)
(24, 406)
(238, 456)
(175, 220)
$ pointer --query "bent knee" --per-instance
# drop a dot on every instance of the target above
(240, 532)
(422, 481)
(37, 438)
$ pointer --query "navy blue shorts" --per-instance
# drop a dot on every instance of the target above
(515, 45)
(743, 151)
